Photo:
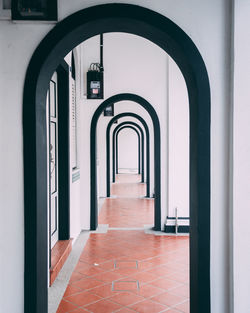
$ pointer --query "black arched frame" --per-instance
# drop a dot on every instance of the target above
(67, 34)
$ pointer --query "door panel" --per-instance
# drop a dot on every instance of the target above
(53, 157)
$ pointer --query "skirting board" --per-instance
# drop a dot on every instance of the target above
(181, 229)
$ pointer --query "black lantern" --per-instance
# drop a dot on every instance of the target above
(109, 110)
(44, 10)
(95, 82)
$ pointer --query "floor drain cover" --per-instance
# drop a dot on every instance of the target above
(125, 285)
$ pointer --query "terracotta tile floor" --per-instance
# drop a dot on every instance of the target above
(128, 185)
(129, 271)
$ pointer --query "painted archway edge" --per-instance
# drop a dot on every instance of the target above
(58, 42)
(115, 166)
(157, 155)
(139, 170)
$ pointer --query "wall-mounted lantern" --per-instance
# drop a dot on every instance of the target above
(109, 110)
(95, 77)
(41, 10)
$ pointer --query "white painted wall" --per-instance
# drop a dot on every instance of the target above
(178, 143)
(241, 158)
(128, 149)
(207, 23)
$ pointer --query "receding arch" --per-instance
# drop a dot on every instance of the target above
(58, 42)
(114, 158)
(156, 156)
(157, 153)
(139, 170)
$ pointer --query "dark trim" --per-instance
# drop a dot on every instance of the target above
(49, 15)
(157, 150)
(138, 146)
(179, 218)
(63, 151)
(73, 66)
(115, 159)
(181, 229)
(67, 34)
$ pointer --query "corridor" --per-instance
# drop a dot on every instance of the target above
(129, 268)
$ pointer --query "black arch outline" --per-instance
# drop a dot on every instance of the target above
(139, 145)
(58, 42)
(157, 153)
(114, 157)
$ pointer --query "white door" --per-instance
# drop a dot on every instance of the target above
(53, 159)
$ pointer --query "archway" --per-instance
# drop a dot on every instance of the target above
(157, 153)
(139, 144)
(114, 145)
(59, 41)
(147, 149)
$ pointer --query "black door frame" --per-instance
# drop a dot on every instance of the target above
(114, 150)
(67, 34)
(63, 155)
(63, 151)
(138, 147)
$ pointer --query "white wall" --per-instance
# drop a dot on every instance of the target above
(128, 149)
(207, 23)
(178, 143)
(241, 158)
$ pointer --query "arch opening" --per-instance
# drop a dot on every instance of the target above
(66, 35)
(138, 148)
(157, 154)
(114, 150)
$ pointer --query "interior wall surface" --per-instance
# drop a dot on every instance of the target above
(240, 231)
(127, 150)
(178, 143)
(18, 42)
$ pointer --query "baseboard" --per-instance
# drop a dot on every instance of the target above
(181, 229)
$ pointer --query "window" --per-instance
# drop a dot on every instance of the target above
(45, 10)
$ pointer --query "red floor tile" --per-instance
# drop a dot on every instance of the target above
(79, 310)
(165, 283)
(126, 298)
(114, 264)
(83, 298)
(103, 306)
(148, 291)
(148, 306)
(183, 307)
(104, 291)
(168, 299)
(65, 306)
(125, 310)
(87, 283)
(71, 290)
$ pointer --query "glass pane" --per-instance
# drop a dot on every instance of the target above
(52, 99)
(53, 155)
(53, 215)
(33, 7)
